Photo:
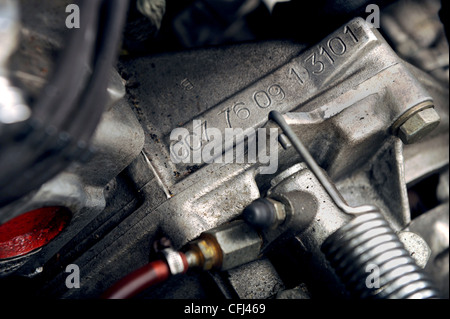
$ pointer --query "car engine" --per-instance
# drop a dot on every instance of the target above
(224, 149)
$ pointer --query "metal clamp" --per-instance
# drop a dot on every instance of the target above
(175, 261)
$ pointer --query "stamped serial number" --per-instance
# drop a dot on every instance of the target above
(279, 90)
(335, 47)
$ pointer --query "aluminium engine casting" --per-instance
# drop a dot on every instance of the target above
(375, 124)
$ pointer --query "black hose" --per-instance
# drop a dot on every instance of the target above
(92, 104)
(58, 98)
(79, 119)
(59, 95)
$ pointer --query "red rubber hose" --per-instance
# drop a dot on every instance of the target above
(139, 280)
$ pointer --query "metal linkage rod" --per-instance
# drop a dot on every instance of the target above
(315, 168)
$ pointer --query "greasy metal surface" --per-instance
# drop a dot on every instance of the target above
(342, 104)
(364, 71)
(356, 121)
(320, 175)
(297, 84)
(381, 182)
(300, 292)
(430, 155)
(168, 90)
(119, 139)
(194, 206)
(327, 220)
(345, 119)
(434, 228)
(365, 81)
(256, 280)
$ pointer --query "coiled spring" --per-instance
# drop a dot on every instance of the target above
(368, 241)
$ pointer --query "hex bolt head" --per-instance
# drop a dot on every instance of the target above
(419, 125)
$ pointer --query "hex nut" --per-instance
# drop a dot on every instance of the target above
(204, 252)
(419, 125)
(280, 212)
(238, 242)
